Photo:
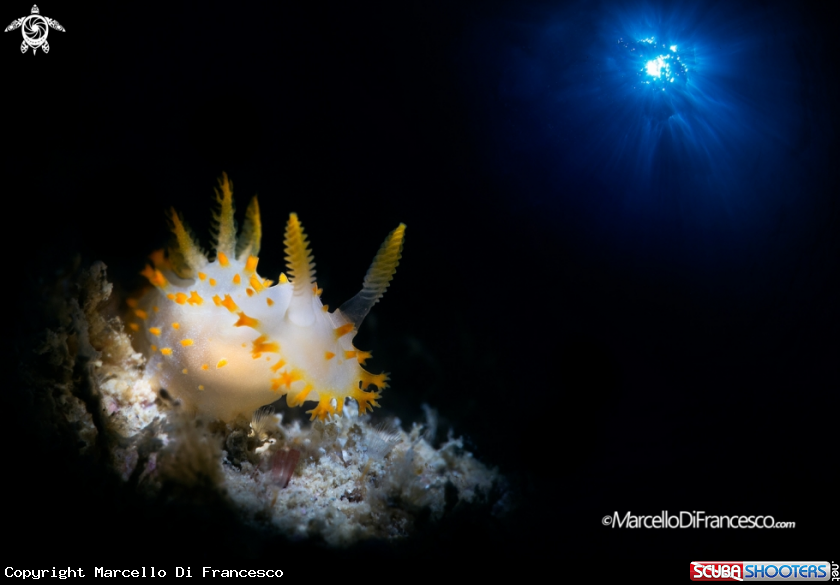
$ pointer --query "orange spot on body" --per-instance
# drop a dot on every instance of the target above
(186, 342)
(205, 367)
(222, 363)
(176, 325)
(286, 379)
(181, 298)
(246, 321)
(366, 400)
(255, 282)
(201, 276)
(223, 259)
(269, 302)
(229, 304)
(141, 313)
(134, 326)
(378, 380)
(249, 292)
(131, 303)
(300, 396)
(329, 355)
(278, 365)
(212, 282)
(263, 345)
(325, 408)
(343, 330)
(194, 298)
(349, 354)
(154, 330)
(154, 349)
(166, 350)
(236, 279)
(251, 263)
(155, 276)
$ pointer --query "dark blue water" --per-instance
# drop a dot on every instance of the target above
(674, 165)
(705, 169)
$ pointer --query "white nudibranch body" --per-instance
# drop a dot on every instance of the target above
(225, 340)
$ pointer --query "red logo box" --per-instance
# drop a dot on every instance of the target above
(717, 571)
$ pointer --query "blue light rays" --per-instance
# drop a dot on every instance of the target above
(658, 64)
(686, 126)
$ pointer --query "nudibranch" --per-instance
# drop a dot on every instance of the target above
(226, 341)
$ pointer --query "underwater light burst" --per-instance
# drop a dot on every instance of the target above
(656, 67)
(649, 118)
(663, 99)
(660, 64)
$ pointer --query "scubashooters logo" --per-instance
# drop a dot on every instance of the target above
(35, 29)
(760, 571)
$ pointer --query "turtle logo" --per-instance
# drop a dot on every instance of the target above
(35, 29)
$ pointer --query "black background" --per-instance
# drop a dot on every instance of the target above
(592, 389)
